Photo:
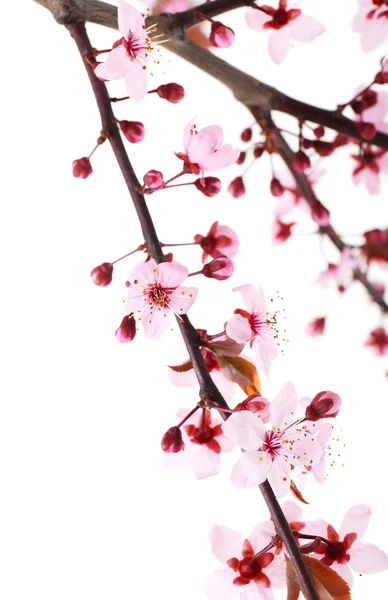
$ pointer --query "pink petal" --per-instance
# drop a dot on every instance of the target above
(383, 164)
(292, 511)
(225, 443)
(225, 543)
(318, 528)
(143, 273)
(136, 81)
(369, 179)
(238, 329)
(367, 558)
(136, 301)
(220, 585)
(319, 470)
(356, 520)
(224, 157)
(304, 451)
(170, 275)
(276, 572)
(283, 408)
(344, 572)
(205, 142)
(232, 248)
(374, 34)
(183, 379)
(255, 591)
(261, 535)
(279, 44)
(115, 66)
(155, 323)
(203, 461)
(265, 351)
(187, 134)
(245, 429)
(279, 476)
(251, 469)
(182, 299)
(305, 28)
(129, 19)
(256, 19)
(253, 299)
(226, 387)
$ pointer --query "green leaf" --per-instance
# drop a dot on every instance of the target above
(242, 372)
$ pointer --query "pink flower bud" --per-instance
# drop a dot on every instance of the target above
(154, 180)
(236, 187)
(381, 77)
(319, 213)
(172, 92)
(319, 131)
(316, 327)
(220, 35)
(323, 406)
(210, 186)
(281, 231)
(172, 440)
(366, 130)
(323, 148)
(256, 404)
(127, 329)
(102, 275)
(276, 187)
(220, 268)
(134, 131)
(340, 140)
(241, 158)
(301, 162)
(82, 168)
(246, 135)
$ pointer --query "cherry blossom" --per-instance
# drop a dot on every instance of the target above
(154, 291)
(378, 341)
(204, 150)
(371, 21)
(264, 532)
(219, 241)
(316, 327)
(254, 325)
(130, 54)
(370, 163)
(341, 273)
(343, 549)
(252, 578)
(285, 25)
(271, 453)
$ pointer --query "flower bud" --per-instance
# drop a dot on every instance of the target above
(301, 162)
(82, 167)
(366, 130)
(210, 186)
(134, 131)
(323, 406)
(276, 187)
(153, 180)
(281, 231)
(381, 77)
(340, 140)
(220, 268)
(172, 92)
(102, 275)
(319, 213)
(172, 440)
(236, 187)
(316, 327)
(319, 131)
(258, 151)
(323, 148)
(127, 329)
(246, 135)
(256, 404)
(220, 35)
(241, 158)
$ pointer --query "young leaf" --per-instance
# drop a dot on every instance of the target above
(330, 586)
(297, 493)
(242, 372)
(226, 347)
(186, 366)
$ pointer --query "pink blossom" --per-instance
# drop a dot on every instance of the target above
(130, 54)
(256, 404)
(220, 268)
(370, 163)
(154, 291)
(324, 405)
(102, 275)
(252, 579)
(371, 21)
(316, 327)
(281, 231)
(219, 241)
(254, 325)
(378, 341)
(264, 532)
(220, 35)
(271, 453)
(341, 273)
(285, 25)
(344, 549)
(204, 150)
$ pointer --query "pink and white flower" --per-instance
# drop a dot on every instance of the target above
(204, 150)
(371, 21)
(219, 241)
(342, 273)
(254, 325)
(271, 453)
(370, 164)
(130, 54)
(155, 291)
(285, 25)
(251, 578)
(343, 549)
(264, 532)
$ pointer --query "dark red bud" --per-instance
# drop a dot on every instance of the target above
(319, 213)
(172, 440)
(319, 131)
(246, 135)
(307, 144)
(323, 148)
(236, 187)
(381, 77)
(220, 268)
(258, 151)
(340, 140)
(127, 329)
(209, 186)
(172, 92)
(366, 130)
(241, 158)
(323, 406)
(82, 168)
(316, 327)
(102, 275)
(276, 187)
(134, 131)
(301, 162)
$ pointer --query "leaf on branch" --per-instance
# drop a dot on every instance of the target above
(297, 493)
(186, 366)
(226, 347)
(242, 372)
(328, 584)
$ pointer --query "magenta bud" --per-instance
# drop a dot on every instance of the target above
(381, 77)
(301, 162)
(241, 158)
(102, 275)
(323, 406)
(172, 440)
(210, 186)
(236, 187)
(316, 327)
(323, 148)
(220, 268)
(258, 151)
(220, 35)
(134, 131)
(172, 92)
(319, 213)
(153, 180)
(319, 131)
(246, 135)
(340, 140)
(82, 167)
(276, 187)
(281, 231)
(366, 130)
(127, 329)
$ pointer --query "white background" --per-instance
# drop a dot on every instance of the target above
(87, 510)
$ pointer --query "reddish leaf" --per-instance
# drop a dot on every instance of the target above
(328, 584)
(242, 372)
(297, 493)
(293, 587)
(186, 366)
(226, 347)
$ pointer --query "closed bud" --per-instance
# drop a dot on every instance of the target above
(210, 186)
(276, 187)
(319, 213)
(246, 135)
(172, 92)
(220, 35)
(102, 275)
(316, 327)
(127, 330)
(366, 130)
(236, 187)
(82, 168)
(340, 140)
(281, 231)
(258, 151)
(319, 131)
(301, 162)
(256, 404)
(323, 406)
(323, 148)
(172, 440)
(153, 180)
(241, 158)
(134, 131)
(220, 268)
(381, 77)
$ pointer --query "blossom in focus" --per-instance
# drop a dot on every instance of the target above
(342, 273)
(270, 454)
(221, 36)
(254, 325)
(378, 341)
(82, 167)
(265, 531)
(324, 405)
(154, 291)
(256, 404)
(371, 21)
(251, 579)
(344, 549)
(219, 241)
(285, 24)
(220, 268)
(204, 150)
(370, 164)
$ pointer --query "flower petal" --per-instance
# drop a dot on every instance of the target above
(256, 19)
(356, 520)
(276, 572)
(284, 406)
(182, 299)
(222, 158)
(115, 66)
(136, 81)
(238, 329)
(220, 585)
(203, 461)
(251, 469)
(129, 19)
(254, 591)
(253, 299)
(187, 134)
(367, 558)
(279, 44)
(225, 543)
(204, 142)
(142, 274)
(155, 322)
(261, 535)
(245, 429)
(170, 275)
(279, 476)
(344, 572)
(305, 28)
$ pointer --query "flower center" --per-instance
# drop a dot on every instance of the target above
(136, 46)
(248, 568)
(272, 444)
(280, 17)
(158, 296)
(203, 434)
(336, 552)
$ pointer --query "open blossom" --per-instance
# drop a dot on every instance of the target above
(155, 291)
(344, 549)
(271, 453)
(371, 21)
(219, 241)
(265, 531)
(286, 24)
(341, 273)
(378, 341)
(370, 164)
(204, 150)
(130, 54)
(251, 578)
(254, 325)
